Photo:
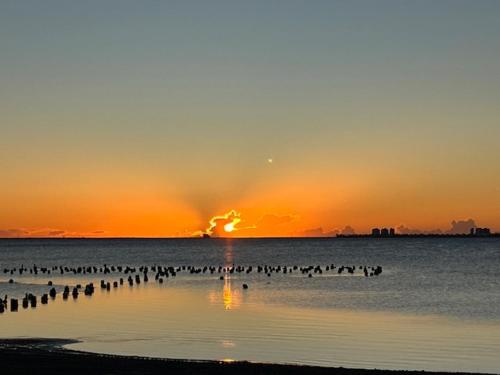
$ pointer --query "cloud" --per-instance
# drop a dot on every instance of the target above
(266, 225)
(272, 220)
(313, 232)
(270, 225)
(9, 233)
(461, 226)
(222, 225)
(43, 233)
(316, 232)
(348, 230)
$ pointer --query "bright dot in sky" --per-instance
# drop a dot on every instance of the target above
(270, 160)
(229, 227)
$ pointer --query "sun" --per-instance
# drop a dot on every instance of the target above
(226, 223)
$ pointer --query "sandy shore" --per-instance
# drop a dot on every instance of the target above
(32, 355)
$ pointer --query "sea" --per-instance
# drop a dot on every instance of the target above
(435, 306)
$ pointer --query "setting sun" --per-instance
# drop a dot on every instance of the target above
(226, 223)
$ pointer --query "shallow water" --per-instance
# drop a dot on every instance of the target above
(436, 305)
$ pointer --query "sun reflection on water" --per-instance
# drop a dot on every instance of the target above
(231, 298)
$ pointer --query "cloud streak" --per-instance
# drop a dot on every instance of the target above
(45, 233)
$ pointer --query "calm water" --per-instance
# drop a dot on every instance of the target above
(436, 305)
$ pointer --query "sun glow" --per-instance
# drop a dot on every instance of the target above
(227, 223)
(229, 227)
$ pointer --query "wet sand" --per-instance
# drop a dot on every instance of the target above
(35, 355)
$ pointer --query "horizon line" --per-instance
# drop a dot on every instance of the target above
(358, 236)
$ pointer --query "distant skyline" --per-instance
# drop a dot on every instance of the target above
(228, 225)
(149, 119)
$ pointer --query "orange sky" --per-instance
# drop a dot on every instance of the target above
(150, 120)
(303, 196)
(119, 205)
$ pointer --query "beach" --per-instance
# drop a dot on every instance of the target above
(19, 356)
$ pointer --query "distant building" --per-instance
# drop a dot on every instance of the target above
(482, 232)
(384, 232)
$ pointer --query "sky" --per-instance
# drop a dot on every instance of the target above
(150, 118)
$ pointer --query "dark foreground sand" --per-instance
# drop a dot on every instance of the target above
(39, 356)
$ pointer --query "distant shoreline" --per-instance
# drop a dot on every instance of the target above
(38, 355)
(417, 236)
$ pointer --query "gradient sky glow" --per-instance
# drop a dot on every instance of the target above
(147, 118)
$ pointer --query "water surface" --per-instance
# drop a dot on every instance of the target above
(436, 305)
